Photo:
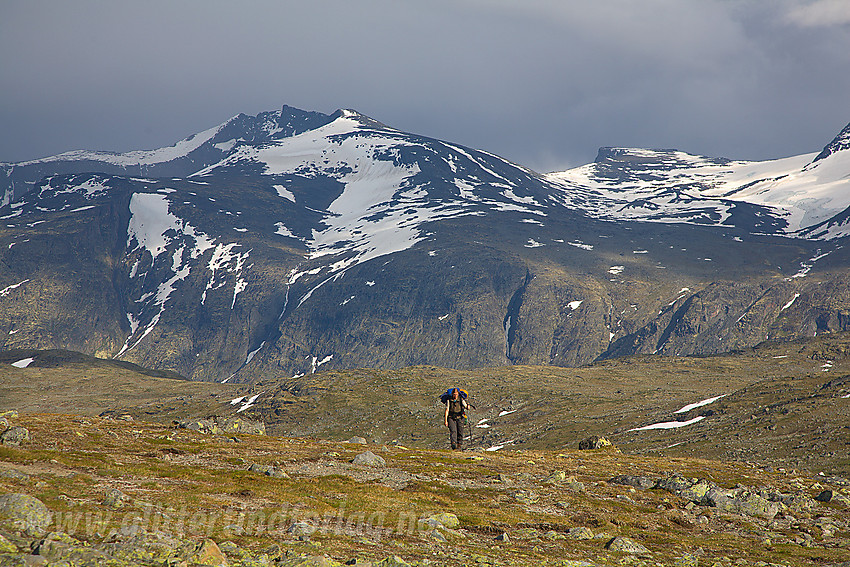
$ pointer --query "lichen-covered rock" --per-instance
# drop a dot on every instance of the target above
(300, 529)
(393, 561)
(742, 502)
(63, 549)
(369, 459)
(642, 482)
(114, 498)
(594, 442)
(24, 513)
(626, 545)
(557, 477)
(358, 440)
(240, 425)
(7, 546)
(204, 553)
(14, 474)
(14, 436)
(580, 532)
(315, 561)
(268, 470)
(442, 520)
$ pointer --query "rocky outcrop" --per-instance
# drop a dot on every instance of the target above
(224, 425)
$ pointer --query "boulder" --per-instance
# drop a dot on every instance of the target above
(24, 513)
(114, 498)
(357, 440)
(557, 477)
(234, 424)
(204, 553)
(14, 436)
(832, 496)
(580, 532)
(594, 442)
(224, 425)
(14, 474)
(442, 520)
(369, 459)
(63, 549)
(268, 470)
(742, 502)
(302, 529)
(642, 482)
(626, 545)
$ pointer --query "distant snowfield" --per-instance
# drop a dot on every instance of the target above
(139, 157)
(800, 192)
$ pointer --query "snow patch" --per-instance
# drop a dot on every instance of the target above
(790, 303)
(23, 363)
(705, 402)
(8, 289)
(669, 424)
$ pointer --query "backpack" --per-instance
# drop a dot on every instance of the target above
(447, 395)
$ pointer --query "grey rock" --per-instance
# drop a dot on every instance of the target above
(442, 520)
(300, 529)
(114, 498)
(675, 483)
(24, 513)
(626, 545)
(824, 496)
(525, 496)
(14, 436)
(642, 482)
(14, 474)
(742, 502)
(268, 470)
(232, 424)
(369, 459)
(224, 426)
(580, 532)
(594, 442)
(357, 440)
(503, 537)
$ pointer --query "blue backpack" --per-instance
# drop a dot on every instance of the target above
(447, 395)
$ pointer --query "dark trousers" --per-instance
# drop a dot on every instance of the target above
(456, 432)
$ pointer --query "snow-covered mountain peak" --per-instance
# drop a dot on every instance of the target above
(840, 143)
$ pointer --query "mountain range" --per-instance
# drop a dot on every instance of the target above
(280, 244)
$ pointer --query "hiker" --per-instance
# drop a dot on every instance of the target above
(455, 417)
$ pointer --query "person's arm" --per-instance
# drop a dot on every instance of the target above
(446, 420)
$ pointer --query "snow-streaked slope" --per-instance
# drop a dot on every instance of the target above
(390, 184)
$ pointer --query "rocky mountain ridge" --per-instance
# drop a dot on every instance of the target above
(294, 241)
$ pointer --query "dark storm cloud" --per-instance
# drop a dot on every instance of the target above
(541, 82)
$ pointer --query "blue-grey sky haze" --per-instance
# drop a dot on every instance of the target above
(541, 82)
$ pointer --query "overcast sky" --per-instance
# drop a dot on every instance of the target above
(541, 82)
